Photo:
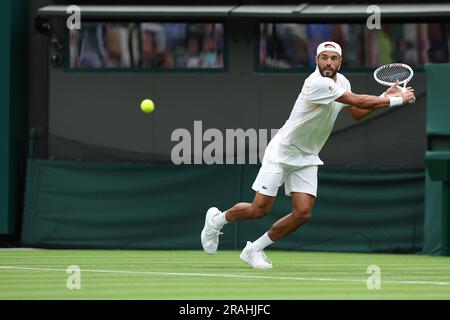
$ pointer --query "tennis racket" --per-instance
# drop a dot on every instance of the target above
(389, 74)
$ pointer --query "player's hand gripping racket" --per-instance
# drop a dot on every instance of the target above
(389, 74)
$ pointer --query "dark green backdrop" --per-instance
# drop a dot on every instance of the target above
(437, 213)
(13, 92)
(117, 205)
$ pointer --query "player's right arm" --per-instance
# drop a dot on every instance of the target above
(368, 102)
(323, 90)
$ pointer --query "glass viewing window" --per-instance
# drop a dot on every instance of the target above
(292, 45)
(100, 45)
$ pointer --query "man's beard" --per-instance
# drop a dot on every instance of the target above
(328, 70)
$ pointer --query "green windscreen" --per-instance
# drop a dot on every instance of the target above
(437, 93)
(162, 206)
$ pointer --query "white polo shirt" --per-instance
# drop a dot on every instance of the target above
(304, 134)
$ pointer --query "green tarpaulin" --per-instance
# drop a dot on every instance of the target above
(162, 206)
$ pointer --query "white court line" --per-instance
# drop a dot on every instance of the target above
(18, 249)
(443, 283)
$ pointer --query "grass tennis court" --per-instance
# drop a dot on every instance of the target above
(173, 275)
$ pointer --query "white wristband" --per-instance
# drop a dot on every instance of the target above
(395, 101)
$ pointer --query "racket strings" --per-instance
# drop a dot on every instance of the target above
(392, 74)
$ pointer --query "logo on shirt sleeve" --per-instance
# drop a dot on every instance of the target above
(332, 90)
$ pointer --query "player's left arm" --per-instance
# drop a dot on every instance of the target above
(358, 113)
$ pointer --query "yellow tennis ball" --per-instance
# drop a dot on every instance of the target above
(147, 106)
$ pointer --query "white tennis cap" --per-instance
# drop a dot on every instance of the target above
(322, 47)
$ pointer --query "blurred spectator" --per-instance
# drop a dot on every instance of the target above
(438, 43)
(192, 58)
(423, 43)
(353, 35)
(175, 34)
(114, 49)
(300, 53)
(89, 56)
(295, 50)
(318, 33)
(153, 37)
(148, 44)
(408, 45)
(208, 56)
(165, 60)
(385, 45)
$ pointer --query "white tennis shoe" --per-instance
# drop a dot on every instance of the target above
(210, 233)
(255, 258)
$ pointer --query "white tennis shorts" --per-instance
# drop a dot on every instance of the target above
(272, 175)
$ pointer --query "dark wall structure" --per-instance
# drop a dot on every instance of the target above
(13, 100)
(238, 97)
(94, 117)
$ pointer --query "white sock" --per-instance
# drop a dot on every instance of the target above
(219, 220)
(262, 242)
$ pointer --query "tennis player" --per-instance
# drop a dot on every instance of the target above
(292, 158)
